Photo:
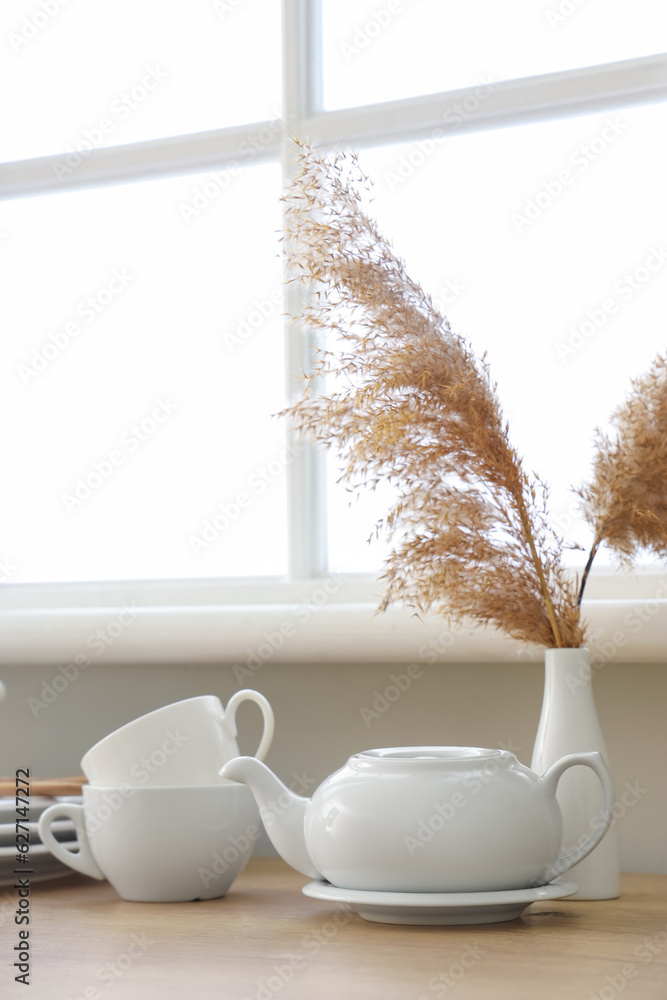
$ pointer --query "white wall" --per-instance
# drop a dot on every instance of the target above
(319, 722)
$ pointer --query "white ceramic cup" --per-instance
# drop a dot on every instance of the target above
(185, 743)
(159, 845)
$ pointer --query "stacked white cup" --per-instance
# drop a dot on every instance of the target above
(156, 820)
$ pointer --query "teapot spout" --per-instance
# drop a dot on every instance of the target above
(283, 813)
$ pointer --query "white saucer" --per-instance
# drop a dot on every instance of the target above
(439, 907)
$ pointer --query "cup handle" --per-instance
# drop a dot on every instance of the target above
(247, 694)
(550, 779)
(81, 861)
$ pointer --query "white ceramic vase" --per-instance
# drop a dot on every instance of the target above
(569, 724)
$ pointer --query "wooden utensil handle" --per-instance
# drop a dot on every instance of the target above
(46, 786)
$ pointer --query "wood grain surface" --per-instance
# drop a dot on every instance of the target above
(266, 940)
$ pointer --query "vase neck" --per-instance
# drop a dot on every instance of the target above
(569, 657)
(567, 679)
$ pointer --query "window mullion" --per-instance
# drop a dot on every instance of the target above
(498, 104)
(306, 474)
(153, 159)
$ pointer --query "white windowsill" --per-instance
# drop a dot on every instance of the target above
(316, 621)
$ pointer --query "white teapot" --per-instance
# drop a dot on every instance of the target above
(425, 819)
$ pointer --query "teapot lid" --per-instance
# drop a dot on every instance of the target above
(431, 754)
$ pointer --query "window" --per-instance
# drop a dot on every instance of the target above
(145, 350)
(551, 261)
(375, 52)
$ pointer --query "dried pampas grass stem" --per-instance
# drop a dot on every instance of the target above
(412, 405)
(625, 502)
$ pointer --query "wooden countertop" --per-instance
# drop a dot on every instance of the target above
(266, 940)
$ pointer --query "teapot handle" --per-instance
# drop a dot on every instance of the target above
(550, 780)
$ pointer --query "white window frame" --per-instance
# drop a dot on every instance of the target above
(311, 616)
